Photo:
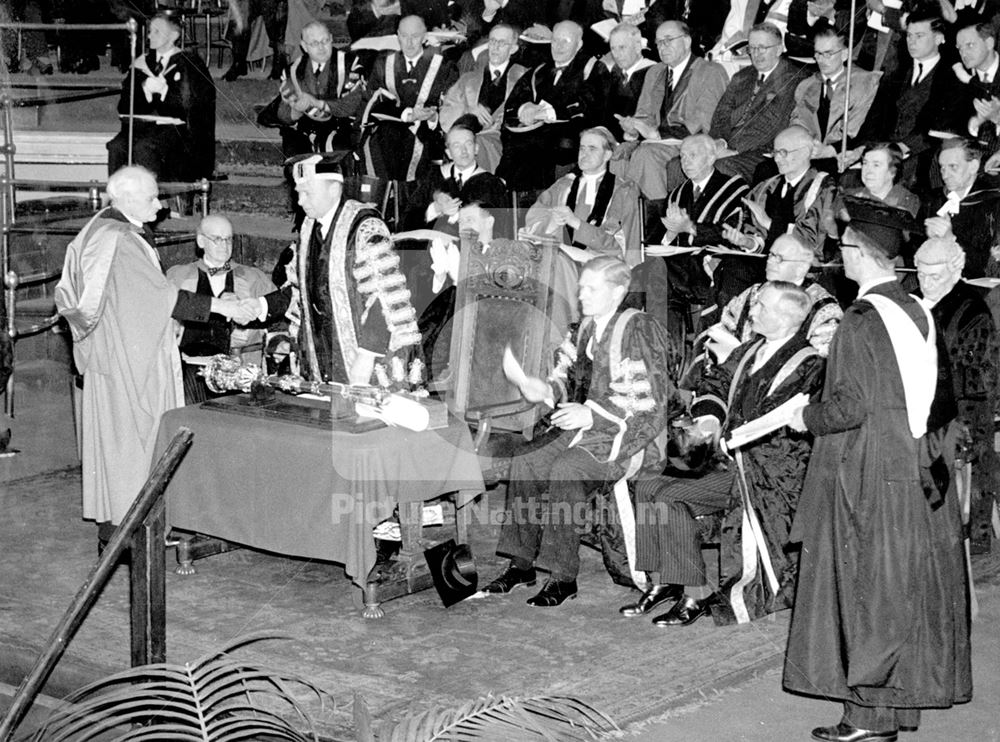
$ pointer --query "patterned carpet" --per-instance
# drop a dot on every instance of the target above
(418, 656)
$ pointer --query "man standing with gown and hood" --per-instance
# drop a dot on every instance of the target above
(881, 615)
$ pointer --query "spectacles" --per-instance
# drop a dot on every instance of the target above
(760, 48)
(782, 259)
(318, 44)
(783, 153)
(844, 245)
(827, 55)
(218, 239)
(664, 40)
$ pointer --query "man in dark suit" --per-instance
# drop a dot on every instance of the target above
(547, 110)
(757, 104)
(400, 131)
(921, 95)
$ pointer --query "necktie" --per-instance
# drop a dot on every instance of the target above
(158, 66)
(319, 69)
(557, 75)
(786, 188)
(823, 111)
(224, 268)
(696, 195)
(458, 178)
(758, 84)
(496, 76)
(668, 99)
(317, 237)
(918, 75)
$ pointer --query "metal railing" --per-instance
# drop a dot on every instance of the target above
(142, 532)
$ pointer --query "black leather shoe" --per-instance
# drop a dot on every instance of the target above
(235, 72)
(651, 598)
(553, 593)
(510, 578)
(847, 733)
(684, 613)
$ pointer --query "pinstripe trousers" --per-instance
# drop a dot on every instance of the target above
(667, 536)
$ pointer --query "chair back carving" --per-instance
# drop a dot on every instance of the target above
(504, 297)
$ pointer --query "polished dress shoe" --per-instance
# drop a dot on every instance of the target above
(848, 733)
(684, 613)
(510, 578)
(236, 71)
(553, 593)
(652, 597)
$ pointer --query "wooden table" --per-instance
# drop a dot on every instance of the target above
(307, 491)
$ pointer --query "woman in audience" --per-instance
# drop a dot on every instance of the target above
(880, 166)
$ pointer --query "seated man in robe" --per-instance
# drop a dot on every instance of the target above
(610, 395)
(759, 493)
(483, 92)
(301, 111)
(678, 99)
(547, 110)
(399, 104)
(695, 215)
(591, 208)
(967, 328)
(215, 274)
(967, 208)
(172, 108)
(348, 305)
(627, 73)
(798, 200)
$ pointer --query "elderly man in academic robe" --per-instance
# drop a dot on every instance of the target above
(882, 558)
(398, 106)
(798, 200)
(678, 99)
(759, 492)
(966, 325)
(483, 92)
(611, 394)
(120, 309)
(626, 78)
(301, 110)
(789, 261)
(216, 274)
(170, 98)
(347, 302)
(968, 207)
(547, 110)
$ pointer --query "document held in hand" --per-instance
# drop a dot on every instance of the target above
(777, 418)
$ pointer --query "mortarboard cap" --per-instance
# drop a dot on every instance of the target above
(323, 167)
(453, 571)
(884, 225)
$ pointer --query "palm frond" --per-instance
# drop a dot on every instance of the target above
(216, 698)
(502, 718)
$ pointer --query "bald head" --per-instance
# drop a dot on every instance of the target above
(411, 32)
(215, 238)
(788, 260)
(567, 38)
(939, 261)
